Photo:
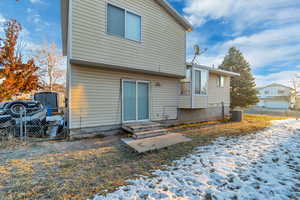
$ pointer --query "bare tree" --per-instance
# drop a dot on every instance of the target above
(51, 63)
(296, 83)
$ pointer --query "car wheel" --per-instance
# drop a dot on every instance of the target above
(16, 109)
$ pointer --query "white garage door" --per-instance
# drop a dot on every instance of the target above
(261, 103)
(277, 104)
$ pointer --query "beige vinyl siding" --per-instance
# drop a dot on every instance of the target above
(96, 96)
(184, 101)
(200, 102)
(162, 48)
(217, 95)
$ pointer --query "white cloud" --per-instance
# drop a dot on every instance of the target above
(260, 49)
(245, 13)
(283, 77)
(35, 18)
(269, 46)
(2, 21)
(198, 11)
(36, 1)
(267, 32)
(31, 46)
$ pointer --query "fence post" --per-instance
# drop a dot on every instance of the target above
(23, 131)
(25, 128)
(21, 125)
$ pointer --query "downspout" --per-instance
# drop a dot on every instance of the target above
(192, 86)
(69, 55)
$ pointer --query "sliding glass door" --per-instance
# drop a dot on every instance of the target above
(135, 101)
(129, 101)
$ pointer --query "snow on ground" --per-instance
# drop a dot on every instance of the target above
(264, 165)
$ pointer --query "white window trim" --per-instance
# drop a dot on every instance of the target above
(126, 10)
(194, 79)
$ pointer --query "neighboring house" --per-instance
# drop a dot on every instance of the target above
(276, 96)
(297, 102)
(126, 60)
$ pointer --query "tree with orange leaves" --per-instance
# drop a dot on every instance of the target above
(16, 75)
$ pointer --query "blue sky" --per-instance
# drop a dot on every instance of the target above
(266, 31)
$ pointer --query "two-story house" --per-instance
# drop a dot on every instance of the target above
(126, 63)
(276, 96)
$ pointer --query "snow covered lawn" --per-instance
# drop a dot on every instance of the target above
(264, 165)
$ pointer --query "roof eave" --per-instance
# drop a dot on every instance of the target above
(215, 71)
(223, 72)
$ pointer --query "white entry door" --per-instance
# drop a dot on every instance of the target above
(135, 100)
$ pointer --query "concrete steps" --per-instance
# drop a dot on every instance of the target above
(149, 133)
(145, 130)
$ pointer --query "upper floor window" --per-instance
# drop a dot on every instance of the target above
(221, 81)
(123, 23)
(201, 82)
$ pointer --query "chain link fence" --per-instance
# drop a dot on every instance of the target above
(273, 112)
(25, 121)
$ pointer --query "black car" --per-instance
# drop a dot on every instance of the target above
(29, 116)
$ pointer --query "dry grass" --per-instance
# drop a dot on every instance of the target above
(11, 142)
(81, 173)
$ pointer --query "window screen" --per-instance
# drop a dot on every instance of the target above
(115, 21)
(133, 26)
(197, 82)
(204, 82)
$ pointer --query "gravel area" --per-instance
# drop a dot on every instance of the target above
(264, 165)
